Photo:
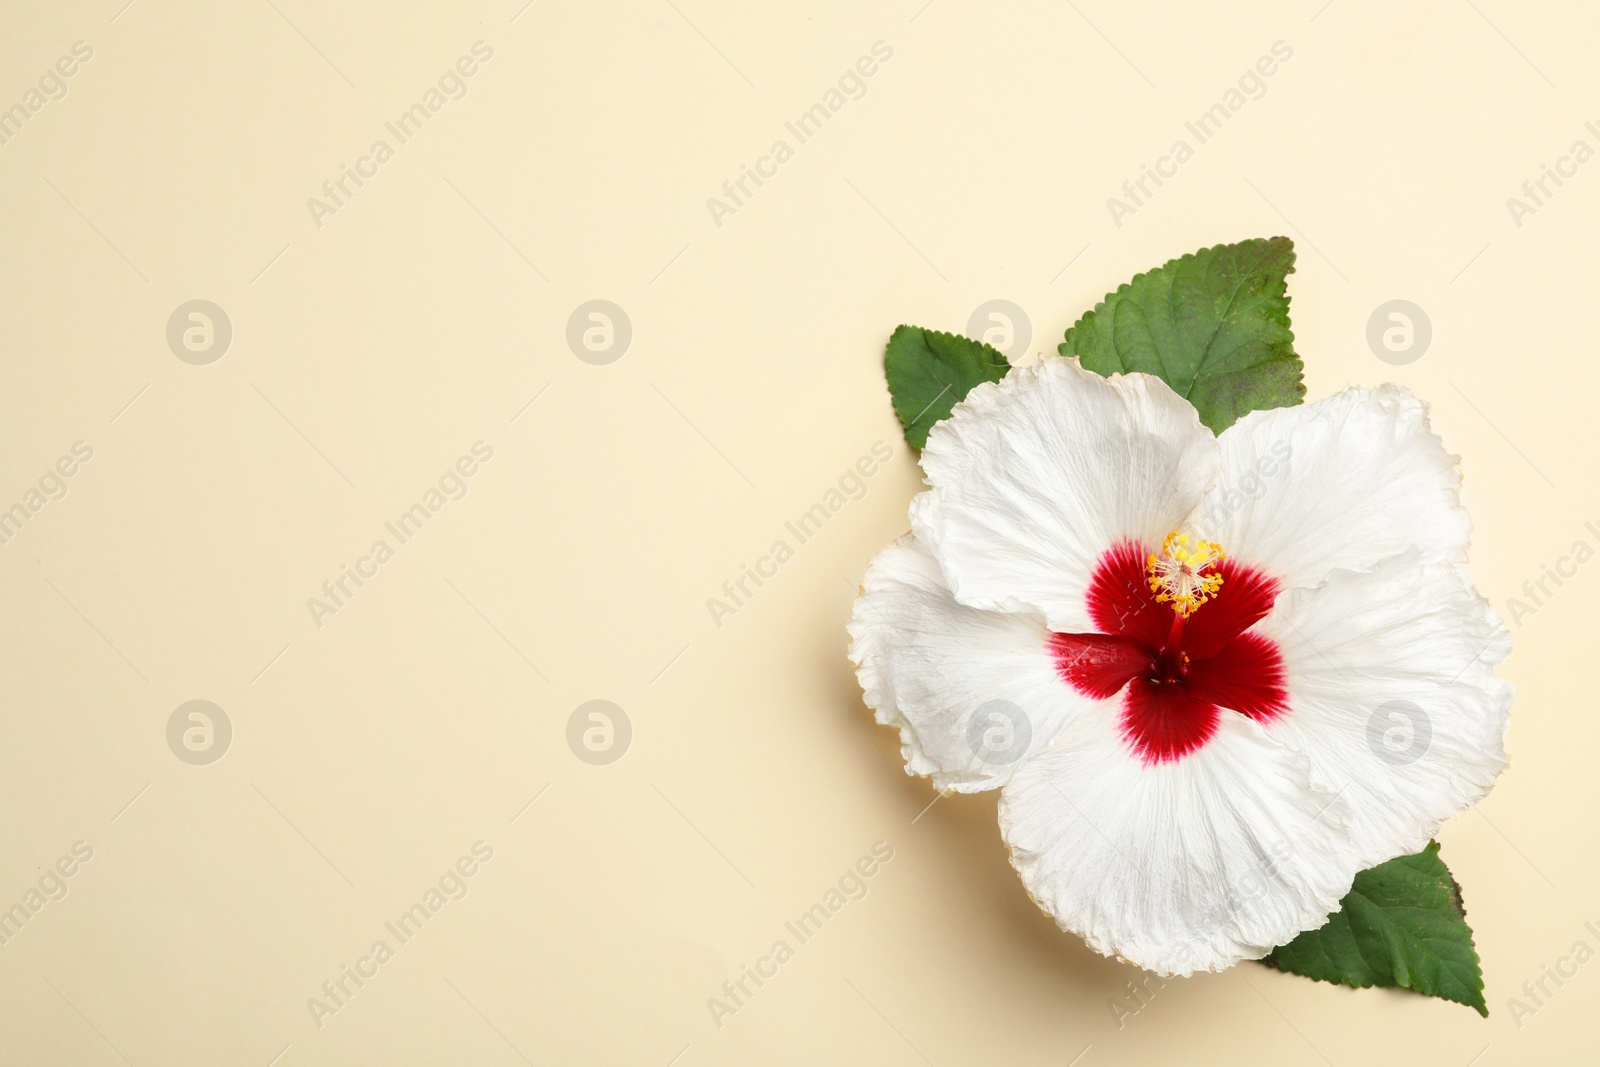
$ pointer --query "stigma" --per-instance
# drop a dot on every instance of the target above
(1184, 573)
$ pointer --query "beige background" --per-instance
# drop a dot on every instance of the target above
(371, 752)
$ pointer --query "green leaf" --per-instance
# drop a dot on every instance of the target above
(1214, 325)
(930, 371)
(1402, 924)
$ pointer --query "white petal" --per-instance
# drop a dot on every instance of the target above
(1180, 866)
(1393, 696)
(1341, 483)
(1037, 475)
(972, 692)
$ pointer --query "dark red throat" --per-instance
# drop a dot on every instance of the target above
(1176, 675)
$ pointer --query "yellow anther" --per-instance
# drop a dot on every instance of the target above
(1183, 574)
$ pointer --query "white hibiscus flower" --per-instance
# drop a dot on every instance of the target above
(1178, 669)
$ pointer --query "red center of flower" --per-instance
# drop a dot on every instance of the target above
(1175, 672)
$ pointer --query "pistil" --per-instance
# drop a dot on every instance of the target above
(1183, 575)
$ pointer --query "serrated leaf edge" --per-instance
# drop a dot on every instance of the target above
(1100, 306)
(1456, 900)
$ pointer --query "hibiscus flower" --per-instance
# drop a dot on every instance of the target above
(1185, 658)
